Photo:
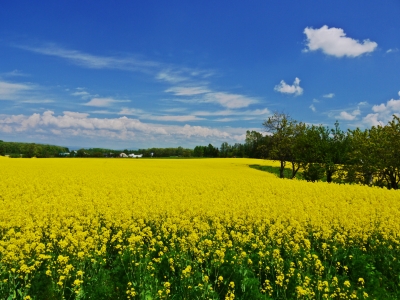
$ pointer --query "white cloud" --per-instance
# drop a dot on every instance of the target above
(102, 112)
(177, 118)
(285, 88)
(14, 73)
(11, 91)
(175, 109)
(344, 115)
(315, 100)
(171, 77)
(225, 120)
(382, 113)
(103, 102)
(93, 61)
(392, 50)
(80, 94)
(330, 95)
(229, 112)
(398, 93)
(73, 124)
(312, 107)
(76, 115)
(228, 100)
(372, 120)
(147, 116)
(363, 103)
(390, 107)
(333, 41)
(202, 94)
(188, 91)
(38, 101)
(131, 112)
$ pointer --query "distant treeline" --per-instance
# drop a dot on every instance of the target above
(16, 149)
(370, 156)
(247, 149)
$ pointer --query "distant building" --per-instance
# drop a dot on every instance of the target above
(123, 155)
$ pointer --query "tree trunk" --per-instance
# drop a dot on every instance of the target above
(281, 174)
(329, 176)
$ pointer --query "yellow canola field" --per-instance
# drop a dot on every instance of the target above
(175, 225)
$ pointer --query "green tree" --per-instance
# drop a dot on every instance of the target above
(282, 128)
(334, 149)
(362, 163)
(254, 140)
(311, 152)
(390, 156)
(224, 150)
(81, 153)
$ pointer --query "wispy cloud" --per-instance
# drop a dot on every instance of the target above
(285, 88)
(13, 91)
(225, 120)
(187, 91)
(14, 73)
(312, 107)
(142, 115)
(103, 102)
(173, 118)
(392, 50)
(38, 101)
(94, 61)
(171, 76)
(228, 112)
(330, 95)
(333, 41)
(81, 94)
(229, 100)
(131, 112)
(202, 94)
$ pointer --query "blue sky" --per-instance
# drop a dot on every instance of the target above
(138, 74)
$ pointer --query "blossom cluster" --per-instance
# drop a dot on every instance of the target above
(190, 229)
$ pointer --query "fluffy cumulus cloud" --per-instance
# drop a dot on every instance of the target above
(382, 113)
(333, 41)
(344, 115)
(348, 116)
(72, 124)
(285, 88)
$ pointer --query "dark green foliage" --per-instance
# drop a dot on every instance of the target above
(28, 150)
(369, 157)
(313, 172)
(206, 151)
